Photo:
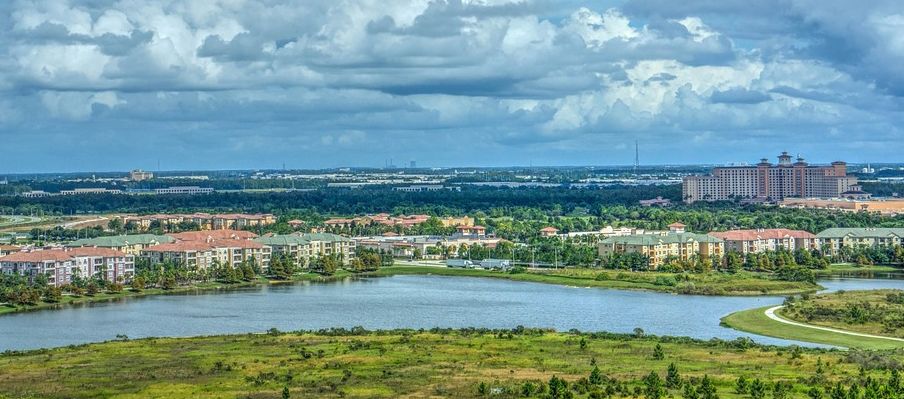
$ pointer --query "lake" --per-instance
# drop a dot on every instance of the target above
(393, 302)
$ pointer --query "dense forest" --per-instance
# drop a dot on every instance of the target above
(348, 202)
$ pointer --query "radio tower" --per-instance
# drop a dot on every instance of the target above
(636, 156)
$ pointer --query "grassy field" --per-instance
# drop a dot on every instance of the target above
(851, 269)
(755, 321)
(876, 312)
(407, 364)
(700, 284)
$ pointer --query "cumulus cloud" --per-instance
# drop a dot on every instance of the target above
(456, 81)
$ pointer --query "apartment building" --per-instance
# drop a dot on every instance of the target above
(205, 221)
(294, 246)
(131, 244)
(213, 235)
(8, 249)
(326, 244)
(767, 182)
(762, 240)
(108, 264)
(202, 249)
(660, 247)
(62, 265)
(191, 254)
(832, 240)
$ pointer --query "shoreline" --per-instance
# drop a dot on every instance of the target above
(533, 277)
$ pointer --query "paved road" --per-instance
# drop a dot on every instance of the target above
(770, 313)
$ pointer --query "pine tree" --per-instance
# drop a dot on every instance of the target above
(596, 377)
(672, 378)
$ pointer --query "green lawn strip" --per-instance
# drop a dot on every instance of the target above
(854, 269)
(722, 284)
(755, 321)
(390, 364)
(878, 315)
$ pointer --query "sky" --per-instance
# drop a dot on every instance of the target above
(104, 85)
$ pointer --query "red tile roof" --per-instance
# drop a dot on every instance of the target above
(213, 235)
(677, 224)
(762, 234)
(58, 255)
(246, 244)
(180, 246)
(96, 251)
(549, 229)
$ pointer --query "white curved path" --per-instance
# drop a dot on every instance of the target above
(770, 313)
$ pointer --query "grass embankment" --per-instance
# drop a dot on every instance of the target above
(755, 321)
(689, 283)
(407, 364)
(69, 300)
(851, 269)
(876, 312)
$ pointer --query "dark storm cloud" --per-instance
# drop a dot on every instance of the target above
(356, 80)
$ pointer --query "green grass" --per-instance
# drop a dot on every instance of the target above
(701, 284)
(839, 269)
(393, 364)
(876, 313)
(755, 321)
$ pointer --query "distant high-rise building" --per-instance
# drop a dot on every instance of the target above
(140, 175)
(412, 165)
(767, 182)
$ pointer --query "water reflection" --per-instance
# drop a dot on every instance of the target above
(392, 302)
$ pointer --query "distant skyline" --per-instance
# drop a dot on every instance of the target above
(113, 85)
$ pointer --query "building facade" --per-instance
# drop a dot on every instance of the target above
(131, 244)
(831, 241)
(61, 266)
(762, 240)
(661, 247)
(768, 182)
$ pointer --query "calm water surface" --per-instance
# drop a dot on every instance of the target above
(393, 302)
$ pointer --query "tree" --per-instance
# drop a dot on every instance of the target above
(690, 392)
(138, 283)
(91, 289)
(285, 393)
(596, 376)
(757, 389)
(814, 393)
(115, 225)
(707, 388)
(653, 386)
(658, 353)
(672, 378)
(742, 385)
(53, 294)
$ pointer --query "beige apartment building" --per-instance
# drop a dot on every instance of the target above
(767, 182)
(832, 240)
(206, 221)
(762, 240)
(60, 266)
(660, 247)
(130, 244)
(303, 246)
(204, 254)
